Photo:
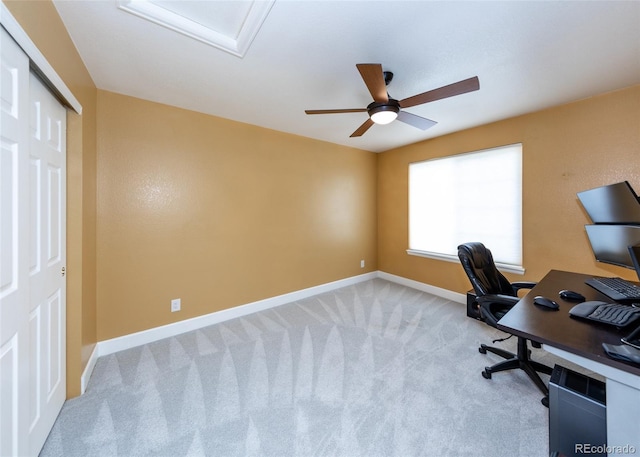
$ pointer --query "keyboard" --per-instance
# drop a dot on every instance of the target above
(615, 288)
(606, 313)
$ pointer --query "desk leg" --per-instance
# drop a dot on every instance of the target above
(623, 419)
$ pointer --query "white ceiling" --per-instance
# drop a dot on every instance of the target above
(527, 55)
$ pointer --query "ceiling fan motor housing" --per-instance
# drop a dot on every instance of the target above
(390, 108)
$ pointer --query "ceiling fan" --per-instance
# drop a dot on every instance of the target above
(385, 109)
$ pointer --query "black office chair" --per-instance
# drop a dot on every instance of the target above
(496, 296)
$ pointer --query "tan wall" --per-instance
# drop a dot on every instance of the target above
(43, 25)
(565, 150)
(219, 213)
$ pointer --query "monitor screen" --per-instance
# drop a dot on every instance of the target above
(612, 204)
(610, 243)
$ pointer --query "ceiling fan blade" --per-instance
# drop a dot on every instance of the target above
(461, 87)
(374, 79)
(335, 111)
(417, 121)
(363, 128)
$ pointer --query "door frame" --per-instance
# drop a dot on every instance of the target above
(38, 62)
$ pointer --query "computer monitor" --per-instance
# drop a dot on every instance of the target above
(611, 204)
(610, 243)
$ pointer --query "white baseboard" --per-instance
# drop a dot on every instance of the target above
(438, 291)
(148, 336)
(121, 343)
(86, 373)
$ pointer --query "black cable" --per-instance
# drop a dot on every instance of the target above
(502, 339)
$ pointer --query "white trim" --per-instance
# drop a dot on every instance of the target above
(517, 269)
(88, 370)
(37, 60)
(236, 44)
(121, 343)
(438, 291)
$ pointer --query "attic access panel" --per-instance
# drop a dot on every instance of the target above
(230, 26)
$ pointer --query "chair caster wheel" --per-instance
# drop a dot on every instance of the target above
(545, 401)
(486, 374)
(482, 350)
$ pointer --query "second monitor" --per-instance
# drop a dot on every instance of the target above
(610, 243)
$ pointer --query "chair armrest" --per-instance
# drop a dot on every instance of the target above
(498, 298)
(522, 285)
(494, 306)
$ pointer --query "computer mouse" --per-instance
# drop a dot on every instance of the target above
(571, 295)
(545, 302)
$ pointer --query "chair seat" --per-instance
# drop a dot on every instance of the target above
(492, 312)
(493, 307)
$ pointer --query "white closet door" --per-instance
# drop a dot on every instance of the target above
(47, 260)
(33, 256)
(14, 259)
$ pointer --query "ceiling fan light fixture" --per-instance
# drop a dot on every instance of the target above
(384, 114)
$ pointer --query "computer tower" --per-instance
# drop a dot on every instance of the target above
(577, 414)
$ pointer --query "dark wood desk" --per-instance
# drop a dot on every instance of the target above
(558, 329)
(580, 342)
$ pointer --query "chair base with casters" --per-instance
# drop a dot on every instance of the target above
(522, 361)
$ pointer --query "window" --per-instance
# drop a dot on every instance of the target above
(468, 197)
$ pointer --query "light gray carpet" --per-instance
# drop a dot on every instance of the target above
(374, 369)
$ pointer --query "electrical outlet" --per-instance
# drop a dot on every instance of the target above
(175, 305)
(362, 264)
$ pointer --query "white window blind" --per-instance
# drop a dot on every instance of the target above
(468, 197)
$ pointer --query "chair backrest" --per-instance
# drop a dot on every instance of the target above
(485, 278)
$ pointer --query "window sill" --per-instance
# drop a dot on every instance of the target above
(516, 269)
